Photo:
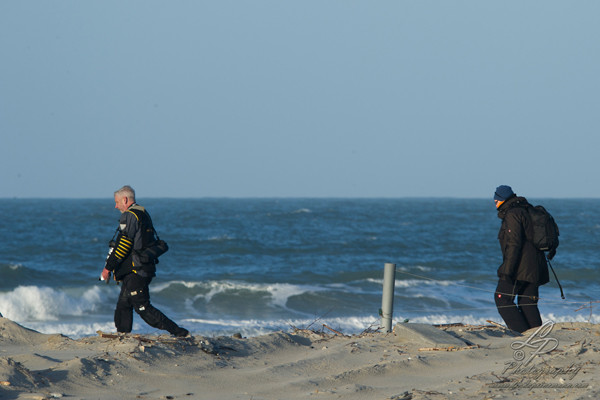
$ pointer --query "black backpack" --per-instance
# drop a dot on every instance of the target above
(545, 230)
(545, 235)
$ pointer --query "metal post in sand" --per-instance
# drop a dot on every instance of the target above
(387, 300)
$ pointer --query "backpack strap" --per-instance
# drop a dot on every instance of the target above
(562, 295)
(142, 209)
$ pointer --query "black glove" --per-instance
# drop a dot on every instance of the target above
(551, 254)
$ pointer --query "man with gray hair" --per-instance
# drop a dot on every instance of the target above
(133, 262)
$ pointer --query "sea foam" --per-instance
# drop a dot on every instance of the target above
(34, 303)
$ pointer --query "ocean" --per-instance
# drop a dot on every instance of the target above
(254, 266)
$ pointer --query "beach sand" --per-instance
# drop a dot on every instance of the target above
(413, 362)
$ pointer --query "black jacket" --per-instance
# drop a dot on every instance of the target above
(521, 261)
(136, 232)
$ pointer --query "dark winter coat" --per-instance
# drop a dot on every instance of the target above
(521, 261)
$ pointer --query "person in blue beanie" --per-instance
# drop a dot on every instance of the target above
(524, 268)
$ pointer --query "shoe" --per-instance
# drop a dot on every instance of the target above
(180, 332)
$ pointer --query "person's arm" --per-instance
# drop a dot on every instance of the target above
(514, 238)
(123, 243)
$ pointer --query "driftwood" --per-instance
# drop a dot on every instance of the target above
(467, 327)
(138, 337)
(334, 331)
(454, 325)
(497, 324)
(451, 348)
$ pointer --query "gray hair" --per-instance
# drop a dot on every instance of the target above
(126, 191)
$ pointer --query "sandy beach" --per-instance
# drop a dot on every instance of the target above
(458, 361)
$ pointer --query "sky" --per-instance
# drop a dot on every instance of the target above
(299, 98)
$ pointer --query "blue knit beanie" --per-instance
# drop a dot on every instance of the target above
(503, 192)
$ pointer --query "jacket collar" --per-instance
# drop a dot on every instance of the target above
(509, 204)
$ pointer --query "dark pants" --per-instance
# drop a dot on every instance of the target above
(135, 295)
(523, 316)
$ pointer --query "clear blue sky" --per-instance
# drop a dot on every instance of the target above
(299, 98)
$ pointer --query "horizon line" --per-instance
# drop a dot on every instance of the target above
(289, 198)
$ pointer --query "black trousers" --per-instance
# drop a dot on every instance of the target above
(525, 314)
(136, 296)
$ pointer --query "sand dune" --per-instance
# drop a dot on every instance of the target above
(452, 362)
